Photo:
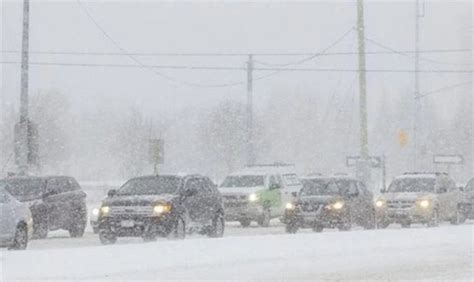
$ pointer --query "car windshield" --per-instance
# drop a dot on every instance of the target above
(24, 188)
(243, 181)
(150, 186)
(313, 187)
(412, 185)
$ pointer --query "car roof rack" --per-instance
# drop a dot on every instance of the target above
(421, 172)
(275, 164)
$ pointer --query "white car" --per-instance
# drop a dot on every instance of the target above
(16, 223)
(259, 193)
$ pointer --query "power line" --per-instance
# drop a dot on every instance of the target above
(152, 69)
(238, 54)
(186, 67)
(436, 91)
(321, 53)
(406, 54)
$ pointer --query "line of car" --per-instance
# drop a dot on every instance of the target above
(173, 206)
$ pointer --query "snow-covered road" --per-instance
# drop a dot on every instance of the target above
(254, 253)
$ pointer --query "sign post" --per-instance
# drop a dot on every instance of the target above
(156, 153)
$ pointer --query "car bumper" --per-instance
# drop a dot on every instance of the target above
(253, 212)
(136, 226)
(412, 215)
(326, 219)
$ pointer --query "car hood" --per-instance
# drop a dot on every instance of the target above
(240, 190)
(319, 199)
(137, 200)
(406, 196)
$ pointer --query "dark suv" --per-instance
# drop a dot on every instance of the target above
(328, 202)
(56, 202)
(162, 205)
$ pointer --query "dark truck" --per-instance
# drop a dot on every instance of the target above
(162, 206)
(330, 202)
(55, 202)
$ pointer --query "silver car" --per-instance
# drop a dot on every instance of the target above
(16, 223)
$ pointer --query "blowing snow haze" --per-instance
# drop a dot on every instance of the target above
(97, 106)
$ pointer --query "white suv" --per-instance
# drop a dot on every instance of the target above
(16, 223)
(259, 193)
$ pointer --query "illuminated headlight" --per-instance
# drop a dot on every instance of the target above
(379, 203)
(95, 212)
(338, 205)
(161, 208)
(290, 206)
(424, 203)
(253, 197)
(104, 210)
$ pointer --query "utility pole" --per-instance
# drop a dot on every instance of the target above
(363, 167)
(250, 141)
(23, 123)
(417, 106)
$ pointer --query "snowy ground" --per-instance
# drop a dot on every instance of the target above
(444, 253)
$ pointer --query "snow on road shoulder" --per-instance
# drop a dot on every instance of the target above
(445, 253)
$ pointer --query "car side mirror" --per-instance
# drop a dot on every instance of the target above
(189, 192)
(111, 192)
(442, 190)
(275, 186)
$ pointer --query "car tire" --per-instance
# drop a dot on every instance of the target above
(382, 224)
(178, 231)
(107, 237)
(459, 218)
(218, 226)
(405, 224)
(20, 241)
(245, 222)
(318, 228)
(292, 227)
(77, 230)
(265, 218)
(434, 221)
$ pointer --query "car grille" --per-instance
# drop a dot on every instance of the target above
(127, 210)
(405, 204)
(310, 207)
(233, 201)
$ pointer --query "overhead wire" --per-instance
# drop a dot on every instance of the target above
(139, 63)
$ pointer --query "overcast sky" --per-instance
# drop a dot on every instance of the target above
(209, 27)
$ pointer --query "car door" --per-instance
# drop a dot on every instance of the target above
(58, 202)
(8, 216)
(194, 203)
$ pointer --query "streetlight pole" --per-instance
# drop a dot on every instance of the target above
(23, 124)
(250, 137)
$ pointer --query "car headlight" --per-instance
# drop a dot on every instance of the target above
(338, 205)
(104, 210)
(379, 203)
(161, 208)
(424, 203)
(290, 206)
(253, 197)
(95, 212)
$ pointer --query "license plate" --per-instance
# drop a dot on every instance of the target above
(127, 223)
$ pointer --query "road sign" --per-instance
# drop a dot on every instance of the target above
(448, 159)
(353, 160)
(157, 151)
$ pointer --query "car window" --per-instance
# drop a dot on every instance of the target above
(73, 185)
(291, 179)
(470, 186)
(25, 188)
(57, 185)
(4, 198)
(362, 189)
(272, 181)
(196, 184)
(243, 181)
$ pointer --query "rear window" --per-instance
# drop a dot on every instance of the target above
(25, 188)
(243, 181)
(314, 187)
